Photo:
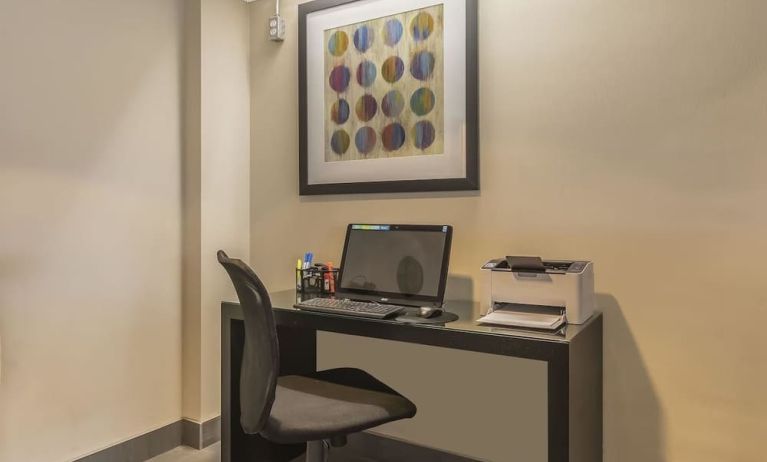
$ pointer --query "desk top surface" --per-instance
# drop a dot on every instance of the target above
(467, 312)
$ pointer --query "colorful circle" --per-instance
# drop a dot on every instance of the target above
(392, 69)
(422, 26)
(366, 73)
(422, 65)
(392, 32)
(422, 101)
(339, 78)
(340, 141)
(365, 139)
(393, 137)
(392, 103)
(366, 107)
(339, 112)
(423, 134)
(338, 43)
(363, 38)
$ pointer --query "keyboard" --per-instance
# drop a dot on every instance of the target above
(349, 307)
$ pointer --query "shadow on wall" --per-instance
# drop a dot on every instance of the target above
(633, 419)
(459, 287)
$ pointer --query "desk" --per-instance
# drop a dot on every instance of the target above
(573, 356)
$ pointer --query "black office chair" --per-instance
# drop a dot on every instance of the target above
(321, 408)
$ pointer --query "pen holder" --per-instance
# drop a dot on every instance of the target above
(316, 279)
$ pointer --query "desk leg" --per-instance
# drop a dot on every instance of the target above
(297, 355)
(585, 405)
(575, 399)
(559, 411)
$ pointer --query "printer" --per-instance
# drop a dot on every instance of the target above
(533, 293)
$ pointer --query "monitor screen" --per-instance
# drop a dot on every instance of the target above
(401, 261)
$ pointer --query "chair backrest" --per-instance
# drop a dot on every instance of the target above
(260, 359)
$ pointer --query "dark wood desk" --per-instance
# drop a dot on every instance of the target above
(573, 355)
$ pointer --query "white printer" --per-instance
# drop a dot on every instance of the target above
(541, 294)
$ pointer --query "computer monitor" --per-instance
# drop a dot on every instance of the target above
(399, 264)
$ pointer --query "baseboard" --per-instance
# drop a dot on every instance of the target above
(199, 436)
(211, 431)
(361, 446)
(190, 433)
(140, 448)
(184, 432)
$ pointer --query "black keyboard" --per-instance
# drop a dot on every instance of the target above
(349, 307)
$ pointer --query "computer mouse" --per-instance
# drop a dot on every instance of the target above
(429, 312)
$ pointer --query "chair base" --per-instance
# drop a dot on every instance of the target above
(317, 451)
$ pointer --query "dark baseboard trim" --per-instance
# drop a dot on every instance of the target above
(211, 431)
(140, 448)
(361, 446)
(199, 436)
(190, 434)
(151, 444)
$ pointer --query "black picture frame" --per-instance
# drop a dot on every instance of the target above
(468, 183)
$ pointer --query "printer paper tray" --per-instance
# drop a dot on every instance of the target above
(519, 319)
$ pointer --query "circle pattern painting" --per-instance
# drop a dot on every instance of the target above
(363, 38)
(392, 32)
(366, 108)
(393, 137)
(392, 104)
(339, 78)
(422, 101)
(366, 73)
(389, 64)
(339, 112)
(392, 69)
(338, 43)
(423, 134)
(340, 141)
(365, 139)
(422, 65)
(422, 26)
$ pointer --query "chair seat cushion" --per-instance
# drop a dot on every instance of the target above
(331, 403)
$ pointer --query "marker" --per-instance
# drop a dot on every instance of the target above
(298, 273)
(331, 278)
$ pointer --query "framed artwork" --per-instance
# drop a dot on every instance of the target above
(388, 96)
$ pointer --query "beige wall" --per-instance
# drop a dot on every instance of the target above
(90, 309)
(191, 284)
(216, 186)
(631, 134)
(225, 172)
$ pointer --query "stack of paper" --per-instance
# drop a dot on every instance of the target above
(521, 319)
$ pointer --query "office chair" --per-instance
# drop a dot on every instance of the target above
(320, 408)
